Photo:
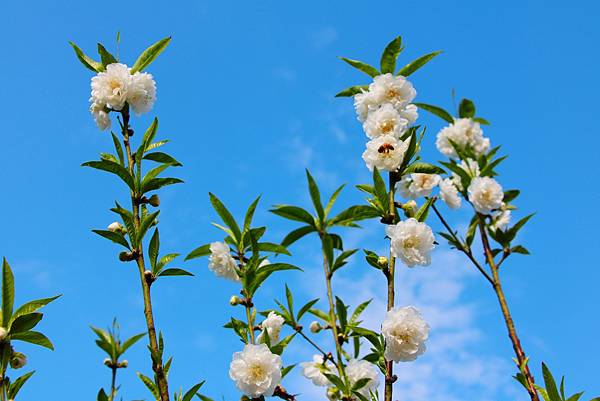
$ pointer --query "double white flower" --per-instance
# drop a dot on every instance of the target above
(361, 369)
(221, 262)
(114, 87)
(405, 333)
(416, 185)
(464, 133)
(385, 152)
(256, 371)
(272, 325)
(314, 371)
(485, 194)
(411, 241)
(449, 193)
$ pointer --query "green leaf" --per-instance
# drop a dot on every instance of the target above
(150, 385)
(85, 60)
(380, 189)
(551, 388)
(336, 381)
(390, 55)
(157, 183)
(353, 90)
(25, 322)
(423, 211)
(114, 168)
(306, 308)
(315, 195)
(481, 121)
(102, 396)
(294, 213)
(296, 235)
(512, 232)
(153, 249)
(488, 170)
(466, 109)
(225, 216)
(175, 272)
(132, 340)
(33, 337)
(519, 249)
(161, 157)
(425, 168)
(114, 237)
(149, 55)
(147, 222)
(32, 306)
(105, 56)
(118, 148)
(342, 313)
(364, 67)
(199, 252)
(510, 195)
(413, 66)
(250, 214)
(192, 391)
(271, 247)
(17, 384)
(353, 214)
(437, 111)
(8, 293)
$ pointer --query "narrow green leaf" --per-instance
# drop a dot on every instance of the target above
(438, 111)
(315, 195)
(33, 337)
(25, 322)
(8, 293)
(296, 235)
(149, 55)
(364, 67)
(161, 157)
(425, 168)
(105, 56)
(225, 216)
(85, 60)
(114, 237)
(390, 55)
(551, 388)
(353, 90)
(466, 109)
(154, 248)
(132, 340)
(175, 272)
(250, 214)
(198, 252)
(118, 148)
(294, 213)
(114, 168)
(17, 384)
(32, 306)
(157, 183)
(416, 64)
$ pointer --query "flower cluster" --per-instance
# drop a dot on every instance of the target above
(464, 134)
(221, 262)
(386, 112)
(411, 241)
(115, 87)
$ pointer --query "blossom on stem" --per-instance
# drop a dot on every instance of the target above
(485, 194)
(384, 152)
(449, 193)
(411, 241)
(361, 369)
(256, 371)
(463, 133)
(221, 262)
(396, 90)
(111, 87)
(405, 333)
(100, 114)
(385, 121)
(314, 370)
(416, 185)
(500, 219)
(272, 325)
(142, 92)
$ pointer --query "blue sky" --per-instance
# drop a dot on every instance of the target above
(245, 93)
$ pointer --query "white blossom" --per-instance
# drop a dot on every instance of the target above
(361, 369)
(405, 333)
(272, 325)
(101, 116)
(500, 220)
(385, 121)
(449, 193)
(141, 94)
(411, 241)
(463, 132)
(315, 327)
(314, 370)
(221, 262)
(417, 185)
(410, 113)
(115, 227)
(485, 194)
(256, 370)
(111, 87)
(396, 90)
(3, 333)
(364, 103)
(384, 152)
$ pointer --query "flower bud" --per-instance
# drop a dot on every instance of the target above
(3, 333)
(410, 208)
(126, 256)
(107, 361)
(17, 360)
(149, 276)
(115, 227)
(333, 393)
(315, 327)
(234, 300)
(154, 201)
(382, 261)
(123, 364)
